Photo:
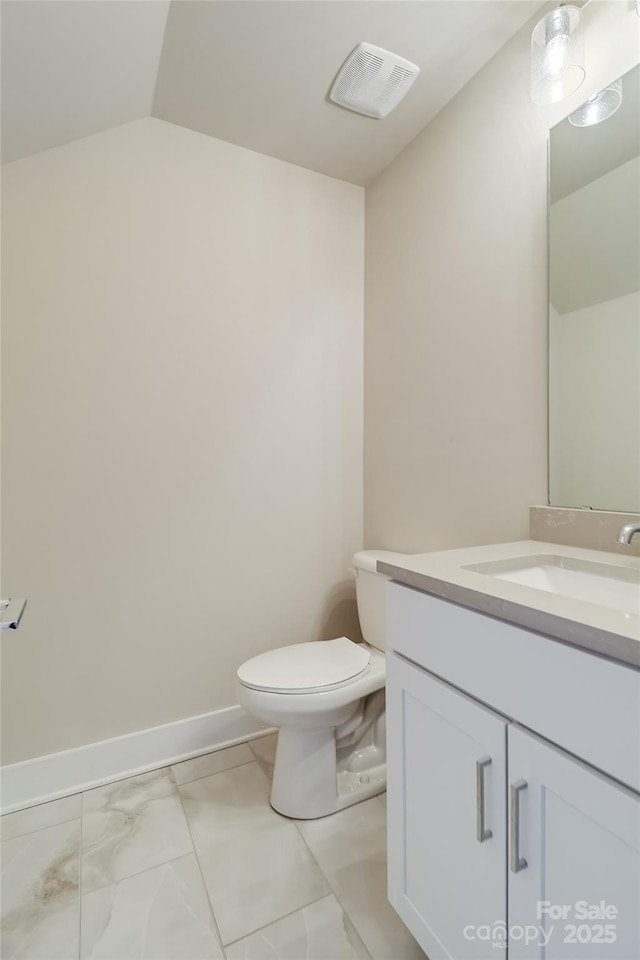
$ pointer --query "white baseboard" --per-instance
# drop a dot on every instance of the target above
(61, 774)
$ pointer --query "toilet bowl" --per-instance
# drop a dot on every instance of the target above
(327, 700)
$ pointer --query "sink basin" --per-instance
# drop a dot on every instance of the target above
(609, 586)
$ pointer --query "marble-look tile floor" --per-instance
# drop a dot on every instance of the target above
(190, 862)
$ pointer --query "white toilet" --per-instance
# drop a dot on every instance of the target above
(327, 699)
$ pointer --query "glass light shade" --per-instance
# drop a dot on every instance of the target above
(598, 107)
(557, 56)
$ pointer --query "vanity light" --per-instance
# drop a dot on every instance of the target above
(557, 56)
(598, 107)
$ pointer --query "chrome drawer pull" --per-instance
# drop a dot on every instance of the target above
(518, 863)
(482, 832)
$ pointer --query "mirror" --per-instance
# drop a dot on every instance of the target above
(594, 309)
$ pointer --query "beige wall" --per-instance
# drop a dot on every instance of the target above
(456, 306)
(182, 425)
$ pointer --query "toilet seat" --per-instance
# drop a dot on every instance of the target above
(306, 667)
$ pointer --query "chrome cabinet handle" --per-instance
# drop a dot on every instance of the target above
(518, 863)
(482, 832)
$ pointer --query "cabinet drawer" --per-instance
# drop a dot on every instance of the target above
(588, 705)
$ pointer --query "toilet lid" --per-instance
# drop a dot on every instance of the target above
(304, 667)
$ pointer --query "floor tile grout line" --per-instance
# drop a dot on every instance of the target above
(197, 859)
(28, 833)
(180, 856)
(80, 880)
(329, 893)
(213, 912)
(204, 776)
(292, 913)
(331, 886)
(138, 873)
(323, 874)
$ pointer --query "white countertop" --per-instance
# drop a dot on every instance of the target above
(587, 625)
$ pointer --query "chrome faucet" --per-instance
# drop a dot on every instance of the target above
(627, 532)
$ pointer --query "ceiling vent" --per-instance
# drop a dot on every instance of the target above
(373, 81)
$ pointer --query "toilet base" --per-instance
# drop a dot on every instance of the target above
(307, 783)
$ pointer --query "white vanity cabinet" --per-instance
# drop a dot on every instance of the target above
(559, 875)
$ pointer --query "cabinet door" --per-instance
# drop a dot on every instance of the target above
(446, 767)
(574, 878)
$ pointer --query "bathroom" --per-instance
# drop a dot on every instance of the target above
(246, 336)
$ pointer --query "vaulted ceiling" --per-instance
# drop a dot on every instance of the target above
(253, 72)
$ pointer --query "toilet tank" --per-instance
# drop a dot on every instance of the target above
(371, 594)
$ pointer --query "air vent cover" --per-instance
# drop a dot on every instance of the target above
(373, 81)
